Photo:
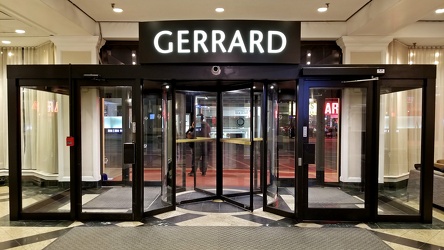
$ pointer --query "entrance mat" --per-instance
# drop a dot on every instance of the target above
(330, 195)
(120, 198)
(208, 238)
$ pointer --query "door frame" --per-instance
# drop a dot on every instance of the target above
(423, 73)
(77, 84)
(66, 74)
(349, 214)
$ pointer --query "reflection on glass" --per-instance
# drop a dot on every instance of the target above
(337, 128)
(157, 148)
(45, 157)
(400, 151)
(282, 121)
(272, 166)
(236, 142)
(106, 126)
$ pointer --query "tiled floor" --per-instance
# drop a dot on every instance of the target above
(39, 234)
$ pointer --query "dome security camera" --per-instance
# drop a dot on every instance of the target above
(215, 70)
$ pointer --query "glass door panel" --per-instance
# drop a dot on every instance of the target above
(45, 168)
(158, 141)
(285, 107)
(196, 126)
(236, 141)
(400, 131)
(205, 130)
(106, 120)
(272, 165)
(337, 125)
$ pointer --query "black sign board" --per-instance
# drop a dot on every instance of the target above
(220, 41)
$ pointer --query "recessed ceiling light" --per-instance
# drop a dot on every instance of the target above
(20, 31)
(116, 9)
(6, 42)
(220, 10)
(439, 11)
(324, 9)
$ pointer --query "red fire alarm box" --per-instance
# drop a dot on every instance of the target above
(69, 141)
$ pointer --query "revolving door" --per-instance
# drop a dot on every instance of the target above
(219, 143)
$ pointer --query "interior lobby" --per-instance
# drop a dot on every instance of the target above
(103, 132)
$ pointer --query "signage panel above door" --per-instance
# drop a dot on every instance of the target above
(220, 41)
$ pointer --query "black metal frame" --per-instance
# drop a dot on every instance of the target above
(66, 75)
(334, 213)
(425, 75)
(78, 84)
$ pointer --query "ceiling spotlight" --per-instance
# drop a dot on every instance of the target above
(115, 9)
(219, 10)
(439, 11)
(20, 31)
(324, 9)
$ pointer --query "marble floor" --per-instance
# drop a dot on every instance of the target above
(39, 234)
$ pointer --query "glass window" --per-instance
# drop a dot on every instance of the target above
(45, 156)
(400, 151)
(337, 119)
(158, 141)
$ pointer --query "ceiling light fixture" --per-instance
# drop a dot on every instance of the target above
(324, 9)
(20, 31)
(219, 10)
(439, 11)
(115, 9)
(6, 42)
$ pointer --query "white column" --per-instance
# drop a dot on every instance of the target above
(90, 108)
(80, 50)
(364, 49)
(77, 49)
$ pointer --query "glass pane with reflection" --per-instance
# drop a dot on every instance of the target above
(400, 151)
(337, 119)
(45, 156)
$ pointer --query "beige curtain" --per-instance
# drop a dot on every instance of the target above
(400, 119)
(43, 54)
(434, 55)
(397, 53)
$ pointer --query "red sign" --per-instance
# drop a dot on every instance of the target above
(331, 107)
(69, 141)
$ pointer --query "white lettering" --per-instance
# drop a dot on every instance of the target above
(335, 108)
(181, 41)
(272, 33)
(50, 107)
(331, 108)
(276, 40)
(327, 109)
(156, 42)
(256, 42)
(200, 42)
(216, 41)
(237, 42)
